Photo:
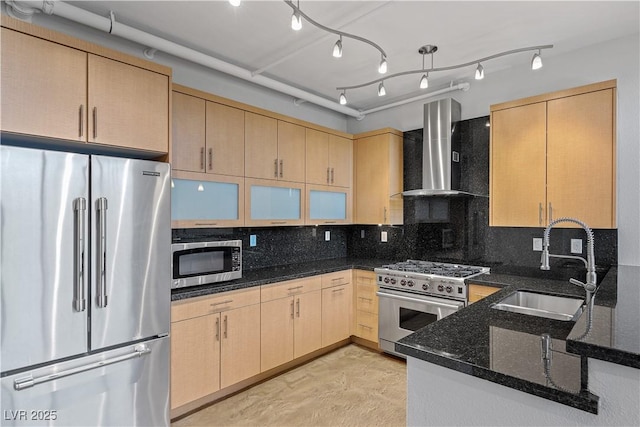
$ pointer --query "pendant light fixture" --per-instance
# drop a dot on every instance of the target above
(382, 68)
(235, 3)
(343, 98)
(296, 21)
(536, 61)
(337, 48)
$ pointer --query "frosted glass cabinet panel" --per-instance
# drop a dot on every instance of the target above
(199, 200)
(274, 202)
(328, 205)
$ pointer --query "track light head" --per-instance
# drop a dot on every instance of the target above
(337, 48)
(382, 68)
(235, 3)
(381, 90)
(424, 81)
(536, 61)
(479, 72)
(343, 98)
(296, 21)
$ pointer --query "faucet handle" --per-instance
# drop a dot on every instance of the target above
(578, 283)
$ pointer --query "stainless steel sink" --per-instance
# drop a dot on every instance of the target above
(558, 307)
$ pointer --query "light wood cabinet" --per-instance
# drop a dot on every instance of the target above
(274, 203)
(207, 136)
(329, 159)
(378, 177)
(53, 88)
(366, 306)
(337, 307)
(553, 156)
(478, 292)
(291, 320)
(274, 149)
(328, 205)
(214, 343)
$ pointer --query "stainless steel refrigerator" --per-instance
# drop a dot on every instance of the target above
(85, 289)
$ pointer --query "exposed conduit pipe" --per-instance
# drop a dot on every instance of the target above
(109, 25)
(460, 86)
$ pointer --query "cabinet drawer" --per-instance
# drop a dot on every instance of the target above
(478, 292)
(201, 306)
(366, 298)
(365, 277)
(367, 325)
(290, 287)
(336, 279)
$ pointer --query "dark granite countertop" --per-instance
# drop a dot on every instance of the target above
(264, 276)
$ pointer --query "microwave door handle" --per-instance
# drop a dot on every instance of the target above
(101, 207)
(79, 300)
(421, 301)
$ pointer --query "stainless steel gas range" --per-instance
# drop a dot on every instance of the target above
(415, 293)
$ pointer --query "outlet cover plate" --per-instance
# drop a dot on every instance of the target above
(383, 236)
(537, 244)
(253, 240)
(576, 246)
(327, 236)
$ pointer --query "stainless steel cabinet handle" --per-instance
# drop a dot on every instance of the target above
(550, 213)
(338, 290)
(81, 120)
(328, 169)
(95, 122)
(79, 301)
(332, 175)
(229, 301)
(29, 381)
(365, 326)
(278, 222)
(540, 213)
(365, 298)
(338, 278)
(281, 168)
(292, 309)
(385, 215)
(225, 326)
(210, 158)
(298, 307)
(206, 223)
(217, 329)
(275, 168)
(295, 287)
(202, 158)
(101, 210)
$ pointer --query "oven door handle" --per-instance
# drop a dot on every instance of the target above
(418, 300)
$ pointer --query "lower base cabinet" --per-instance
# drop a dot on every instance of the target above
(337, 302)
(366, 306)
(478, 292)
(214, 344)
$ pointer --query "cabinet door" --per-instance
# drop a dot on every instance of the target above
(307, 335)
(270, 203)
(328, 205)
(340, 161)
(291, 152)
(372, 180)
(188, 130)
(336, 314)
(240, 349)
(276, 332)
(317, 154)
(129, 106)
(225, 140)
(581, 158)
(518, 162)
(195, 359)
(44, 88)
(261, 146)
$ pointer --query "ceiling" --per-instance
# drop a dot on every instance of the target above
(257, 36)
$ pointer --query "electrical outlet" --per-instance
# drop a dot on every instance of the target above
(383, 236)
(576, 246)
(327, 236)
(537, 244)
(362, 234)
(253, 240)
(313, 232)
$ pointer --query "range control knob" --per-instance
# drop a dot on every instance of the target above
(393, 281)
(403, 282)
(425, 287)
(410, 283)
(386, 280)
(449, 289)
(440, 288)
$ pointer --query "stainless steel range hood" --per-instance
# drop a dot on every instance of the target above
(441, 162)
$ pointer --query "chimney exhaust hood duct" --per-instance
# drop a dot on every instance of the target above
(441, 145)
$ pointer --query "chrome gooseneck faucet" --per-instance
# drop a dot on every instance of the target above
(591, 280)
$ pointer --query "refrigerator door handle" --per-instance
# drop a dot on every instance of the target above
(79, 301)
(29, 381)
(101, 207)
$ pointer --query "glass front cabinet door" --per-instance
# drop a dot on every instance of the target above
(199, 200)
(328, 205)
(273, 203)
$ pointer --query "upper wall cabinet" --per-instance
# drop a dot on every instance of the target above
(553, 156)
(378, 177)
(274, 149)
(207, 136)
(329, 159)
(64, 88)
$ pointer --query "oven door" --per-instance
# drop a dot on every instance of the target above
(402, 313)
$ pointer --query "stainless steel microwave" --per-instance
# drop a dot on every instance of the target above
(202, 263)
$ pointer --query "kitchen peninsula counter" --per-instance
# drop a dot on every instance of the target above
(472, 341)
(264, 276)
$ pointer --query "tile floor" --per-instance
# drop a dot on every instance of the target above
(351, 386)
